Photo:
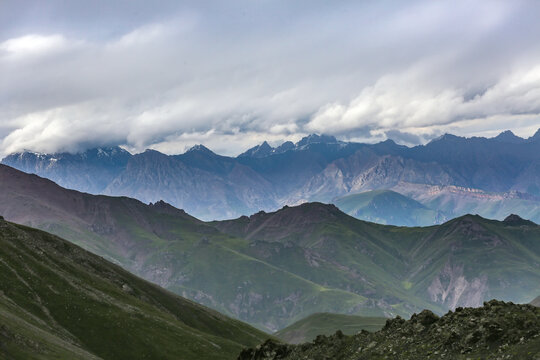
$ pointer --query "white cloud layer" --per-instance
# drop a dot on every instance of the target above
(75, 75)
(410, 103)
(32, 44)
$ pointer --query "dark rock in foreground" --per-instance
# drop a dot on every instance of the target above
(498, 330)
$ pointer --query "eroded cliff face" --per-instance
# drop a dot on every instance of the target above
(453, 289)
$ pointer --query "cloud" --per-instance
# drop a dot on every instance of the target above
(76, 74)
(411, 102)
(32, 44)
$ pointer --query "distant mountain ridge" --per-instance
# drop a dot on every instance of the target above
(89, 171)
(316, 168)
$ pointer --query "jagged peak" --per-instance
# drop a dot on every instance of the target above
(265, 145)
(261, 150)
(200, 148)
(100, 151)
(286, 146)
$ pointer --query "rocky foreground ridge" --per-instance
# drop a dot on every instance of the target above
(498, 330)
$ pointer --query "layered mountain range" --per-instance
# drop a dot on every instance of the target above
(450, 176)
(272, 269)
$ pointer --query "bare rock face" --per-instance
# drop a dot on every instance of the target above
(452, 289)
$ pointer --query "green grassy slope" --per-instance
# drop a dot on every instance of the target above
(58, 301)
(310, 327)
(460, 263)
(326, 246)
(469, 259)
(388, 207)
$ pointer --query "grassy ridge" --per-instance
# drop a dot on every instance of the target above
(59, 301)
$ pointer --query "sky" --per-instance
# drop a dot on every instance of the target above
(167, 75)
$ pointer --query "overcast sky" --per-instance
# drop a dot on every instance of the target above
(230, 74)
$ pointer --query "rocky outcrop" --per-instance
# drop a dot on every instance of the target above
(498, 330)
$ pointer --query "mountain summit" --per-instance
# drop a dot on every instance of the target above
(509, 137)
(516, 220)
(264, 149)
(259, 151)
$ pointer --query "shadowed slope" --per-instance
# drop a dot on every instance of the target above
(60, 301)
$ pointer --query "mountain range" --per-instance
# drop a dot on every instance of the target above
(272, 269)
(450, 176)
